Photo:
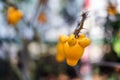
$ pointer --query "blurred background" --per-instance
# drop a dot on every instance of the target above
(28, 46)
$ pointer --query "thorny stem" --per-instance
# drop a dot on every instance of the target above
(80, 25)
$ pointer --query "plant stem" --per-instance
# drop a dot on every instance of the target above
(80, 25)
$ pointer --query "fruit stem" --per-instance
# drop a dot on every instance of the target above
(80, 24)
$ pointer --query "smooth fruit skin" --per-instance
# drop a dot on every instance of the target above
(63, 38)
(71, 62)
(71, 48)
(72, 40)
(73, 53)
(84, 42)
(60, 56)
(81, 36)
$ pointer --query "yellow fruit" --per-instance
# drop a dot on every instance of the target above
(71, 48)
(84, 42)
(42, 18)
(73, 54)
(14, 16)
(60, 56)
(72, 40)
(19, 14)
(63, 38)
(71, 62)
(11, 9)
(81, 36)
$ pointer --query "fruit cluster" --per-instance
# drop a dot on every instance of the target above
(14, 15)
(71, 48)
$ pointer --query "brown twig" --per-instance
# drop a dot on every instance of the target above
(80, 24)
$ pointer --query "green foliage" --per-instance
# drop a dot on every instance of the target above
(116, 45)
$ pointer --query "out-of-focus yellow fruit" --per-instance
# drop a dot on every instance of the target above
(111, 9)
(14, 15)
(11, 9)
(42, 18)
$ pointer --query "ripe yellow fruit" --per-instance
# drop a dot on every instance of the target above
(63, 38)
(73, 53)
(60, 56)
(71, 48)
(72, 40)
(84, 42)
(81, 36)
(14, 15)
(71, 62)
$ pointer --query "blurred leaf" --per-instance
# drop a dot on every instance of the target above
(116, 45)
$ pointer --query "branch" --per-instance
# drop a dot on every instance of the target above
(80, 24)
